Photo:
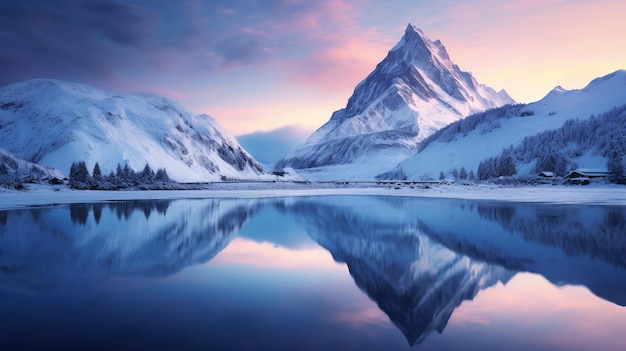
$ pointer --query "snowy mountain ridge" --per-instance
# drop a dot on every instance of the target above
(413, 92)
(464, 144)
(55, 123)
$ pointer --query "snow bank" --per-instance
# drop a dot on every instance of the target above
(600, 194)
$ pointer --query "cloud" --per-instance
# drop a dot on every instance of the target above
(340, 65)
(121, 23)
(269, 147)
(72, 39)
(245, 48)
(318, 44)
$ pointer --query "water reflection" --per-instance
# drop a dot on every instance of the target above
(419, 260)
(79, 213)
(44, 248)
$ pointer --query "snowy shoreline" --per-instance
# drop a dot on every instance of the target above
(597, 194)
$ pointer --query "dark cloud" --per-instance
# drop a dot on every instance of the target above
(81, 40)
(124, 43)
(243, 49)
(121, 23)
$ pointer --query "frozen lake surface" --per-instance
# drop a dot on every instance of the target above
(312, 273)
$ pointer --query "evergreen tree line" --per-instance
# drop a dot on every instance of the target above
(123, 178)
(499, 166)
(554, 150)
(493, 167)
(460, 175)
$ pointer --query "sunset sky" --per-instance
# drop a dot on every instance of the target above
(261, 65)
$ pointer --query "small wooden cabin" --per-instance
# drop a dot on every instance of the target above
(546, 175)
(584, 176)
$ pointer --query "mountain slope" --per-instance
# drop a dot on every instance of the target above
(55, 123)
(14, 170)
(465, 143)
(413, 92)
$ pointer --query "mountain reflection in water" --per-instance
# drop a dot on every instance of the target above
(417, 259)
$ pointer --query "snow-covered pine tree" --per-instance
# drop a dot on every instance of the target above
(147, 175)
(79, 176)
(463, 174)
(615, 165)
(161, 176)
(97, 174)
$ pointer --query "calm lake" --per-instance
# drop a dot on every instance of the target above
(313, 273)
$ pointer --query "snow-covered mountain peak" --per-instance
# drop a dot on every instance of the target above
(56, 123)
(413, 92)
(417, 46)
(556, 92)
(412, 36)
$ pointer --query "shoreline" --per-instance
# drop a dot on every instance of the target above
(596, 194)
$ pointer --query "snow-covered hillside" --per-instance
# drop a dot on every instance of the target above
(55, 123)
(466, 143)
(413, 92)
(14, 171)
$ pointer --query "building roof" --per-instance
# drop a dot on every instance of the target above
(588, 172)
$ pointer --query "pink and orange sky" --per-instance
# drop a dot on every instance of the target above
(261, 65)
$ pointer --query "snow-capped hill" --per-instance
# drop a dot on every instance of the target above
(55, 123)
(557, 91)
(600, 95)
(413, 92)
(464, 144)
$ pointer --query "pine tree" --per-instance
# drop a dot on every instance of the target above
(129, 176)
(119, 172)
(161, 176)
(455, 174)
(4, 170)
(442, 176)
(463, 174)
(505, 166)
(147, 175)
(615, 166)
(480, 172)
(472, 176)
(79, 176)
(97, 174)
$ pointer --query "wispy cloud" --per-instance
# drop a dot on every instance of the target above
(323, 48)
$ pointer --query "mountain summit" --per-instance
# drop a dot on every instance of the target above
(413, 92)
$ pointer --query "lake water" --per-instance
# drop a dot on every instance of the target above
(316, 273)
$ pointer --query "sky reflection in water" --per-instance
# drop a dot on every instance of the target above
(360, 273)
